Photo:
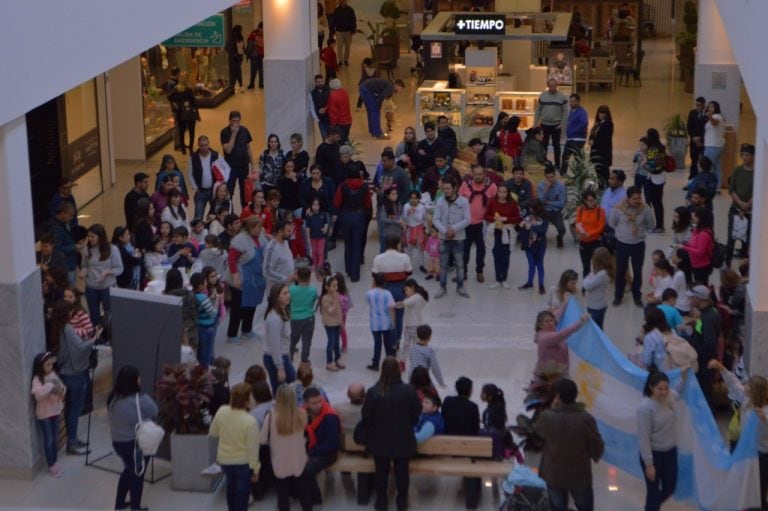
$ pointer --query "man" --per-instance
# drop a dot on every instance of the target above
(339, 112)
(159, 198)
(323, 439)
(236, 143)
(462, 417)
(278, 259)
(427, 148)
(571, 443)
(432, 182)
(551, 192)
(575, 130)
(630, 220)
(551, 113)
(478, 192)
(344, 24)
(396, 267)
(697, 119)
(487, 156)
(698, 199)
(201, 177)
(451, 219)
(391, 175)
(132, 198)
(741, 188)
(353, 202)
(63, 238)
(318, 98)
(167, 88)
(373, 92)
(705, 335)
(520, 186)
(615, 193)
(448, 136)
(64, 194)
(255, 53)
(231, 228)
(328, 157)
(350, 412)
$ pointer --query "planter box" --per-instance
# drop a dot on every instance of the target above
(190, 455)
(677, 147)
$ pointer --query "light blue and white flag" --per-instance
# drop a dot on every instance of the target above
(611, 387)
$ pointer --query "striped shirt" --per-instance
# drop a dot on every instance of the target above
(206, 313)
(380, 301)
(81, 322)
(421, 355)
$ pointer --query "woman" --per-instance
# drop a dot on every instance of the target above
(283, 432)
(534, 150)
(654, 351)
(701, 245)
(567, 286)
(493, 136)
(100, 265)
(510, 139)
(289, 185)
(221, 199)
(390, 412)
(262, 396)
(245, 278)
(503, 214)
(168, 167)
(143, 231)
(174, 286)
(317, 187)
(322, 24)
(271, 163)
(714, 138)
(123, 404)
(238, 451)
(601, 143)
(682, 280)
(175, 213)
(258, 207)
(184, 108)
(277, 360)
(408, 145)
(654, 165)
(590, 224)
(298, 156)
(681, 225)
(596, 284)
(550, 342)
(657, 435)
(129, 278)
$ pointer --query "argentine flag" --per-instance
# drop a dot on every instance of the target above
(611, 387)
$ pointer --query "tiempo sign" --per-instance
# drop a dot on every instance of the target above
(480, 24)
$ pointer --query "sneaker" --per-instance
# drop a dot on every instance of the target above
(212, 470)
(440, 294)
(77, 451)
(234, 340)
(331, 367)
(506, 285)
(373, 367)
(495, 285)
(80, 443)
(55, 470)
(340, 364)
(462, 292)
(527, 285)
(250, 335)
(480, 278)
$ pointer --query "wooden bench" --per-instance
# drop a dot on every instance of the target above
(442, 455)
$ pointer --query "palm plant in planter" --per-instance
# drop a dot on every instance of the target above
(540, 395)
(581, 177)
(384, 35)
(677, 139)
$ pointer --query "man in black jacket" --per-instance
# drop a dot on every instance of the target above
(201, 174)
(138, 192)
(462, 417)
(697, 119)
(319, 96)
(429, 147)
(344, 23)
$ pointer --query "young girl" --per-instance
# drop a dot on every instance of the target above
(682, 280)
(533, 240)
(502, 214)
(597, 282)
(166, 233)
(212, 255)
(175, 213)
(346, 306)
(381, 312)
(414, 218)
(49, 392)
(495, 414)
(662, 279)
(390, 214)
(567, 286)
(549, 341)
(221, 198)
(258, 207)
(656, 256)
(318, 223)
(432, 250)
(158, 257)
(80, 319)
(330, 313)
(642, 179)
(416, 297)
(214, 289)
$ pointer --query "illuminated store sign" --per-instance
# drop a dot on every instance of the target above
(480, 24)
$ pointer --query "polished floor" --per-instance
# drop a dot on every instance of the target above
(487, 337)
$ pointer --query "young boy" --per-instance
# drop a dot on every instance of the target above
(303, 300)
(206, 321)
(181, 253)
(667, 306)
(48, 257)
(328, 56)
(431, 422)
(422, 355)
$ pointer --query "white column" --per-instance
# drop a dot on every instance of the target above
(22, 333)
(290, 63)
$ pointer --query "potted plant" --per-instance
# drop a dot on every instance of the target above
(686, 40)
(182, 395)
(677, 139)
(540, 395)
(382, 37)
(581, 177)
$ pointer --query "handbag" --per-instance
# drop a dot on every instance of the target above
(149, 434)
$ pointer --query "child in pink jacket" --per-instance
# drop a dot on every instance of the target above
(49, 391)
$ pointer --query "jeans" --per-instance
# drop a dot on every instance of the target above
(292, 487)
(302, 329)
(695, 151)
(315, 465)
(238, 486)
(554, 132)
(644, 183)
(257, 66)
(535, 263)
(373, 110)
(206, 336)
(332, 348)
(186, 126)
(396, 288)
(238, 314)
(353, 230)
(586, 249)
(236, 72)
(556, 218)
(379, 337)
(584, 500)
(655, 198)
(402, 481)
(129, 483)
(501, 254)
(714, 154)
(625, 252)
(450, 248)
(77, 386)
(663, 487)
(731, 245)
(598, 315)
(50, 430)
(475, 237)
(571, 146)
(97, 299)
(269, 365)
(202, 197)
(237, 175)
(323, 126)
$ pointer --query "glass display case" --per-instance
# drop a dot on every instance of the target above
(434, 100)
(521, 104)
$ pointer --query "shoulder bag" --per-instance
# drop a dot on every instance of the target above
(149, 434)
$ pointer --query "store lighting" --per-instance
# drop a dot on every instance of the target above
(488, 483)
(613, 488)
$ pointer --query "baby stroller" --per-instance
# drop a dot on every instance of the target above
(524, 491)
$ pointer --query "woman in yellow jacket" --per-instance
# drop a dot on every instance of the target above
(589, 225)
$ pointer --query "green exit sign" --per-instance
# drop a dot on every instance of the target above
(209, 33)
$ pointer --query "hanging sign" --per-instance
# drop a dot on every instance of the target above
(480, 24)
(209, 33)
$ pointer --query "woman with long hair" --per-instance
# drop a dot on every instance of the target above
(655, 159)
(175, 213)
(681, 225)
(714, 138)
(601, 142)
(567, 286)
(271, 163)
(654, 351)
(100, 265)
(597, 282)
(493, 136)
(682, 279)
(277, 360)
(245, 278)
(131, 259)
(701, 245)
(169, 168)
(289, 185)
(123, 403)
(390, 214)
(174, 286)
(510, 139)
(390, 412)
(504, 214)
(408, 145)
(143, 227)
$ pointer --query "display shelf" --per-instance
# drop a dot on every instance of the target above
(434, 100)
(521, 104)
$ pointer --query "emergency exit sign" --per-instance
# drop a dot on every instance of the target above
(480, 24)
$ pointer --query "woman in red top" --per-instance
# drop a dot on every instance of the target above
(510, 139)
(504, 213)
(258, 207)
(701, 245)
(590, 224)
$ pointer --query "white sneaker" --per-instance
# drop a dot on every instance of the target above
(506, 285)
(495, 285)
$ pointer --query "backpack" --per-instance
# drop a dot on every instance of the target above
(717, 259)
(680, 353)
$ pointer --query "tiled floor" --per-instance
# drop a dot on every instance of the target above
(487, 337)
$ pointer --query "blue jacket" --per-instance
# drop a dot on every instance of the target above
(706, 181)
(64, 242)
(576, 126)
(554, 197)
(328, 437)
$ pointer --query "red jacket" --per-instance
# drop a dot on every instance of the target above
(509, 209)
(511, 143)
(338, 109)
(328, 56)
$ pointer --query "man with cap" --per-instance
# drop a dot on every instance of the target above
(706, 332)
(373, 92)
(740, 188)
(339, 111)
(236, 142)
(63, 194)
(132, 198)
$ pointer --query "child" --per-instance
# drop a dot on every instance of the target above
(181, 253)
(533, 241)
(642, 179)
(381, 313)
(596, 284)
(495, 414)
(330, 313)
(166, 233)
(550, 342)
(216, 222)
(80, 320)
(220, 373)
(432, 249)
(304, 380)
(212, 255)
(199, 233)
(667, 306)
(221, 198)
(214, 289)
(346, 306)
(48, 257)
(317, 223)
(656, 256)
(303, 300)
(206, 320)
(388, 107)
(390, 215)
(422, 355)
(328, 57)
(414, 218)
(430, 423)
(49, 391)
(416, 297)
(158, 257)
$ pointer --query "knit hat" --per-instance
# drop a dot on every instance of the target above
(747, 148)
(701, 292)
(335, 84)
(346, 150)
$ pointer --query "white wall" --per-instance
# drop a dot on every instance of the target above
(49, 47)
(127, 110)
